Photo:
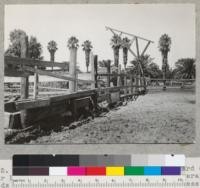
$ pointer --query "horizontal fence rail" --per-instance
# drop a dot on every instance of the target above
(9, 60)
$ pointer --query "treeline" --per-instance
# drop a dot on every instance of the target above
(184, 68)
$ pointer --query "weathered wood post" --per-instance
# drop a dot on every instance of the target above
(96, 70)
(131, 83)
(137, 80)
(108, 72)
(24, 80)
(35, 86)
(92, 70)
(95, 97)
(73, 46)
(125, 82)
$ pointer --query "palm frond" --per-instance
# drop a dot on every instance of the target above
(72, 42)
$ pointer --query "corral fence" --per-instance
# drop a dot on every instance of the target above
(32, 109)
(157, 84)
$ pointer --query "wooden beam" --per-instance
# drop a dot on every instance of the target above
(21, 105)
(131, 42)
(96, 70)
(145, 48)
(114, 74)
(137, 47)
(9, 60)
(36, 103)
(132, 52)
(92, 70)
(140, 66)
(29, 104)
(10, 72)
(108, 72)
(52, 74)
(35, 84)
(24, 90)
(112, 29)
(72, 96)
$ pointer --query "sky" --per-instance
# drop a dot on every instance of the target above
(88, 21)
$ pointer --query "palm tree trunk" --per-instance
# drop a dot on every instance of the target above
(164, 67)
(116, 56)
(72, 69)
(87, 59)
(52, 58)
(125, 56)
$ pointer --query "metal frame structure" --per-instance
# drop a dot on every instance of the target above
(135, 38)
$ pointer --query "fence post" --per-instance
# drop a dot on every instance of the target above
(108, 71)
(35, 86)
(92, 70)
(131, 83)
(72, 69)
(24, 80)
(118, 77)
(137, 83)
(96, 70)
(145, 84)
(125, 82)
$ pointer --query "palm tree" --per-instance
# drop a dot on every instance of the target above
(146, 61)
(52, 47)
(116, 44)
(72, 43)
(87, 46)
(125, 45)
(185, 68)
(164, 47)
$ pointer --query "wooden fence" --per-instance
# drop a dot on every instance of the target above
(28, 111)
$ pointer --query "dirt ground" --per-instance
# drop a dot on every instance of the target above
(159, 117)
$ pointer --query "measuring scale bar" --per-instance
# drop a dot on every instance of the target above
(189, 178)
(97, 171)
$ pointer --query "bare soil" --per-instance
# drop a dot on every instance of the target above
(158, 117)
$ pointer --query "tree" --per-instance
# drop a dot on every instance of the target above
(52, 47)
(72, 43)
(14, 48)
(185, 68)
(145, 60)
(164, 47)
(35, 48)
(104, 63)
(116, 44)
(87, 47)
(149, 67)
(154, 71)
(125, 46)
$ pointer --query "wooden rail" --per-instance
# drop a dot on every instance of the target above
(9, 60)
(53, 74)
